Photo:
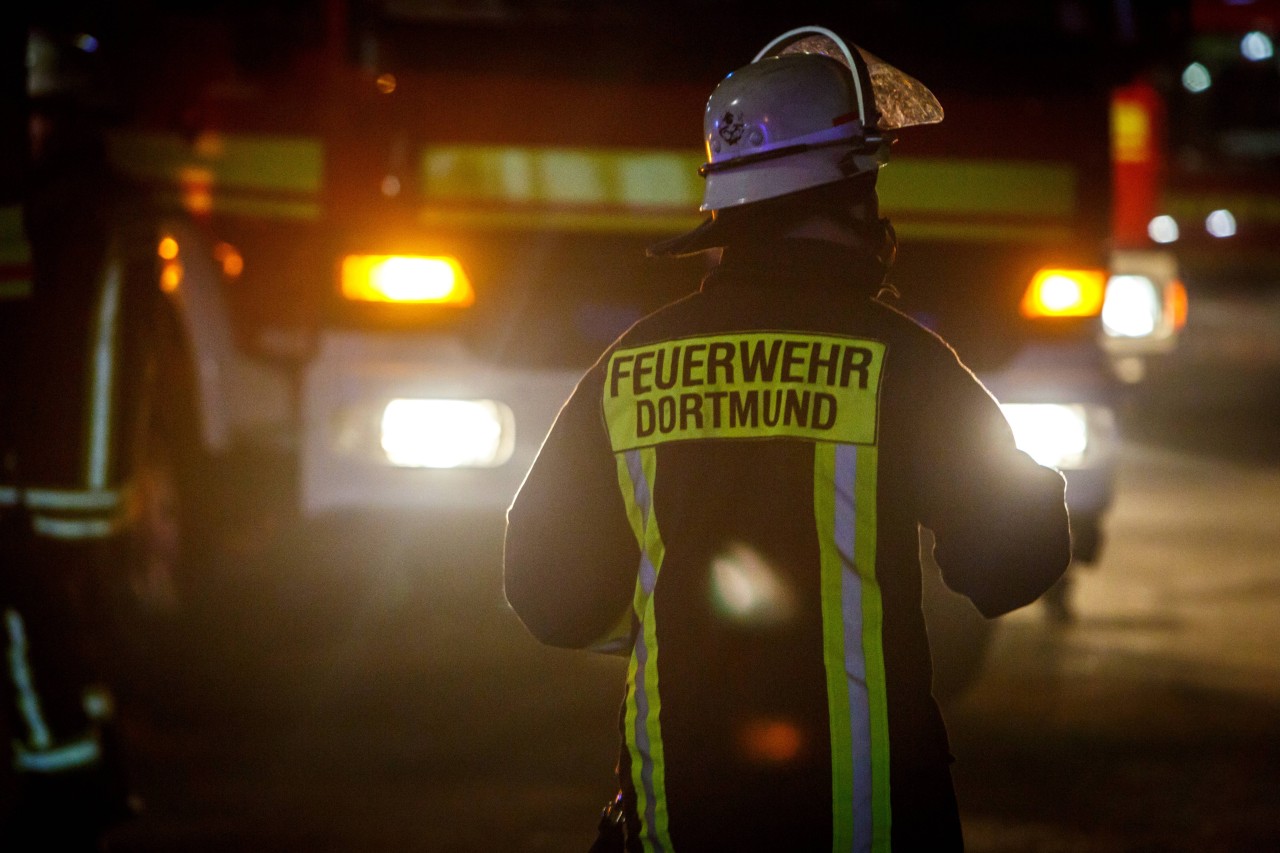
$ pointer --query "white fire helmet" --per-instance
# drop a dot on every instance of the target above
(809, 110)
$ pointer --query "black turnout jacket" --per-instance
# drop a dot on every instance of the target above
(732, 497)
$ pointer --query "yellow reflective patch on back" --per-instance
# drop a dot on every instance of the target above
(746, 385)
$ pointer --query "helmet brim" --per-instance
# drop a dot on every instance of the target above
(713, 233)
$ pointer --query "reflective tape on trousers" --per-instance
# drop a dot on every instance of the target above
(63, 499)
(70, 756)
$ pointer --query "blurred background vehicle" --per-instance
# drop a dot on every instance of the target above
(399, 231)
(1210, 104)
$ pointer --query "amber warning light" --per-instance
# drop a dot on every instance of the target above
(406, 279)
(1064, 293)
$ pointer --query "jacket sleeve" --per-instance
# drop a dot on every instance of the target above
(1000, 524)
(570, 558)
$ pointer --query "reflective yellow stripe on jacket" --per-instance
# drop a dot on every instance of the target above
(852, 619)
(637, 470)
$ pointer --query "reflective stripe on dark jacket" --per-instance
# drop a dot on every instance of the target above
(732, 494)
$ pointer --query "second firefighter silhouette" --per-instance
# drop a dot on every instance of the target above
(75, 351)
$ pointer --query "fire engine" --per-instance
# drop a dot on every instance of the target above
(397, 232)
(1204, 123)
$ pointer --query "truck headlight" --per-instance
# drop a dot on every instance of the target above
(1052, 434)
(1133, 307)
(1145, 306)
(447, 433)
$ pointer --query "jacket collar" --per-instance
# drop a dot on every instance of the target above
(797, 263)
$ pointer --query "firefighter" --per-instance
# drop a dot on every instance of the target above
(732, 495)
(67, 387)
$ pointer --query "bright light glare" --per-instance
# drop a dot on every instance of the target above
(413, 279)
(1220, 223)
(171, 273)
(1195, 78)
(1176, 304)
(446, 433)
(1132, 308)
(1059, 292)
(1064, 293)
(230, 258)
(1163, 229)
(770, 741)
(747, 588)
(1256, 46)
(406, 279)
(1053, 435)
